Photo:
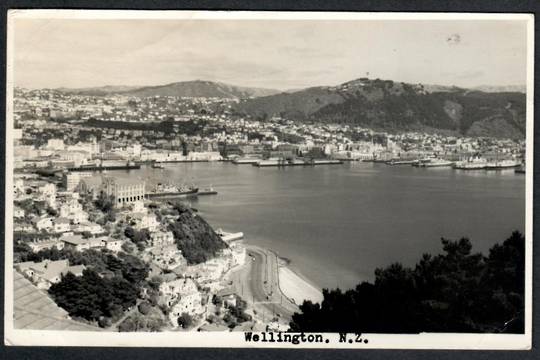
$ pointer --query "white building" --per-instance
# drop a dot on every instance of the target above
(124, 191)
(46, 273)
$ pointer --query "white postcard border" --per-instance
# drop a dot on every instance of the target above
(235, 339)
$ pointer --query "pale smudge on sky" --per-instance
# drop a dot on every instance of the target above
(280, 54)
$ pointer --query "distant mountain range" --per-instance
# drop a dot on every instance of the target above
(196, 88)
(99, 90)
(396, 106)
(378, 104)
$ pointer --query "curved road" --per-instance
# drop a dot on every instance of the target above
(258, 283)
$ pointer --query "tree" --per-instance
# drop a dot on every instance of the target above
(456, 291)
(144, 308)
(105, 203)
(128, 247)
(185, 321)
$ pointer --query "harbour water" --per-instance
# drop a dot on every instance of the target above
(337, 224)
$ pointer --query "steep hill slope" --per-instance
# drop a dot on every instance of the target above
(393, 106)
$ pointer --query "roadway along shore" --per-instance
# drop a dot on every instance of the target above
(258, 282)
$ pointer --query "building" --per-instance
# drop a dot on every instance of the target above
(61, 224)
(77, 242)
(38, 245)
(161, 238)
(18, 213)
(71, 180)
(144, 220)
(123, 191)
(55, 144)
(47, 272)
(182, 296)
(43, 223)
(112, 244)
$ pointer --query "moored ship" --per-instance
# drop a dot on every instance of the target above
(435, 163)
(475, 163)
(246, 160)
(402, 162)
(503, 164)
(168, 190)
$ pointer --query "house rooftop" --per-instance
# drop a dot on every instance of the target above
(74, 239)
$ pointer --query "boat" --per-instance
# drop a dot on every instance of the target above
(435, 163)
(503, 164)
(402, 162)
(207, 191)
(157, 166)
(246, 160)
(520, 170)
(473, 163)
(167, 190)
(49, 171)
(228, 237)
(270, 162)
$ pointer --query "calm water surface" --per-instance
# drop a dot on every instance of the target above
(337, 224)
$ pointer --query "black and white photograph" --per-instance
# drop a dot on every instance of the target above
(269, 179)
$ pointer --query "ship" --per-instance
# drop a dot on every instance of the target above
(296, 162)
(246, 160)
(168, 190)
(402, 162)
(207, 191)
(503, 164)
(107, 165)
(435, 163)
(473, 163)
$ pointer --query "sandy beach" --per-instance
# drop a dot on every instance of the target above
(296, 288)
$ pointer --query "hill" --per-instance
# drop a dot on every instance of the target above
(99, 90)
(200, 88)
(194, 236)
(395, 106)
(196, 88)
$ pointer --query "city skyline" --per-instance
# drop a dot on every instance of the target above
(296, 54)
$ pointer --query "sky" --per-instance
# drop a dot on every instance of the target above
(278, 54)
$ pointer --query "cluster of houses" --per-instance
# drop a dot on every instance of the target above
(69, 227)
(46, 273)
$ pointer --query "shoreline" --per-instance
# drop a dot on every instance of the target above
(292, 284)
(296, 287)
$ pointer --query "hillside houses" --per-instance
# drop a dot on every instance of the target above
(44, 274)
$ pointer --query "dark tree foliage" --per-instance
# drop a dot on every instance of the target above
(197, 240)
(457, 291)
(92, 297)
(125, 266)
(185, 320)
(105, 203)
(192, 127)
(31, 207)
(138, 237)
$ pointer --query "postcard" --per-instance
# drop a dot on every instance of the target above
(269, 179)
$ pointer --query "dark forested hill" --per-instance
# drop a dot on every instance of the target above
(197, 240)
(389, 105)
